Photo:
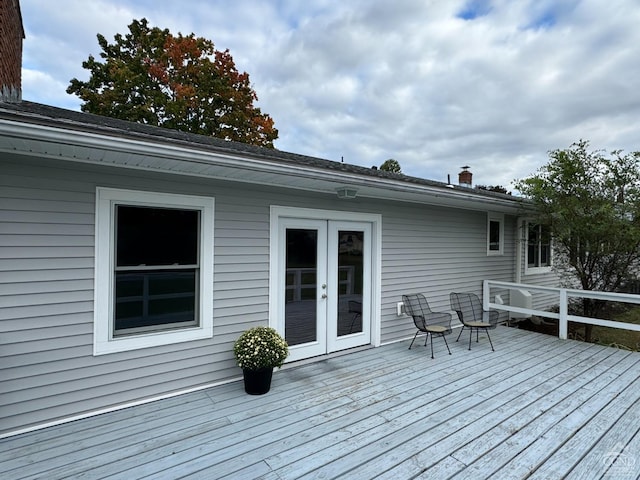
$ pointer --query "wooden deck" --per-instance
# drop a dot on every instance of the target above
(538, 407)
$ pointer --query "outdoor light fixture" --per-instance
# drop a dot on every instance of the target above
(347, 192)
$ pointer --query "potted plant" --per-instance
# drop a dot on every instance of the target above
(258, 350)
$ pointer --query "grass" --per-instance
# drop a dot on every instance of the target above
(617, 337)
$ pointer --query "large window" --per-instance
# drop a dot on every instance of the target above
(156, 268)
(495, 234)
(154, 274)
(538, 247)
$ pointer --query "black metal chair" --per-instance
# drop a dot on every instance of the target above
(426, 321)
(355, 308)
(470, 313)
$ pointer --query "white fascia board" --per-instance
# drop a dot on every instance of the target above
(457, 197)
(195, 154)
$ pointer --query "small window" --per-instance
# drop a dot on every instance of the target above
(495, 234)
(154, 269)
(538, 246)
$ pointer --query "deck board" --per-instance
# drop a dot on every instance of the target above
(538, 407)
(564, 409)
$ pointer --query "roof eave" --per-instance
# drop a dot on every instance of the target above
(119, 149)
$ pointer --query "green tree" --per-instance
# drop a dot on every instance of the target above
(591, 201)
(391, 165)
(181, 82)
(494, 188)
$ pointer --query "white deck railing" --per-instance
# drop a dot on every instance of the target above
(563, 296)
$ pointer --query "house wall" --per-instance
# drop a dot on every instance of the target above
(47, 215)
(549, 278)
(436, 251)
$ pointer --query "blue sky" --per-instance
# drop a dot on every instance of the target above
(473, 9)
(434, 84)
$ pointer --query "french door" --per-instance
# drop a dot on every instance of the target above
(324, 285)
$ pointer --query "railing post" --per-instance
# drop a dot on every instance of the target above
(563, 321)
(485, 295)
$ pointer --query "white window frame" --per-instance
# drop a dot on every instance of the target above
(104, 341)
(525, 239)
(495, 217)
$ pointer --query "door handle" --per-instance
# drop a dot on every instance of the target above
(324, 295)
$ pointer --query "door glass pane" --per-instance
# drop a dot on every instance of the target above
(301, 286)
(350, 281)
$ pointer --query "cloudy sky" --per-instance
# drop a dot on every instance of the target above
(434, 84)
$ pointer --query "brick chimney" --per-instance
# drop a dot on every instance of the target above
(465, 177)
(11, 36)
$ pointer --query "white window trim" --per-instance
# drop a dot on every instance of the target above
(103, 340)
(525, 251)
(495, 217)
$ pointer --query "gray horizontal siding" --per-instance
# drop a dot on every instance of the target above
(435, 251)
(47, 265)
(46, 282)
(57, 264)
(46, 292)
(37, 284)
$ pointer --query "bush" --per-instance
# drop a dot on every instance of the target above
(260, 347)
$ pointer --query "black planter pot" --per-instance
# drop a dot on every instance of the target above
(257, 382)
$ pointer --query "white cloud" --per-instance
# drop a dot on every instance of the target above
(410, 80)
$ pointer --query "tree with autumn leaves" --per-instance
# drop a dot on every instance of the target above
(181, 82)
